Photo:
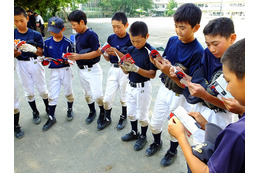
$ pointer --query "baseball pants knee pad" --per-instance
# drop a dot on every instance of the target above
(30, 98)
(89, 99)
(107, 105)
(100, 101)
(52, 101)
(155, 129)
(70, 98)
(144, 123)
(132, 117)
(16, 111)
(44, 95)
(123, 103)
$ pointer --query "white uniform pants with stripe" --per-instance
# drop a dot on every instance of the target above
(91, 82)
(60, 76)
(116, 80)
(32, 73)
(16, 99)
(138, 102)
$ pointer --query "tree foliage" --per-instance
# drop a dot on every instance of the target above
(126, 6)
(171, 5)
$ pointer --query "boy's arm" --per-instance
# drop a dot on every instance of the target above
(147, 73)
(89, 55)
(176, 129)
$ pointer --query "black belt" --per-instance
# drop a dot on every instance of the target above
(135, 85)
(116, 65)
(29, 59)
(83, 66)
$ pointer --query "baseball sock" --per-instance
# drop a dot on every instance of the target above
(92, 107)
(33, 105)
(52, 110)
(108, 114)
(124, 111)
(134, 126)
(157, 138)
(144, 130)
(102, 109)
(174, 146)
(70, 104)
(16, 119)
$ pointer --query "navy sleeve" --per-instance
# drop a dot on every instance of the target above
(38, 39)
(94, 41)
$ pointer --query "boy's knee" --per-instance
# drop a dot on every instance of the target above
(70, 98)
(100, 101)
(30, 98)
(155, 129)
(106, 105)
(16, 111)
(144, 123)
(44, 95)
(131, 117)
(88, 99)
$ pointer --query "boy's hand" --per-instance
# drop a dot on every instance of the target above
(233, 105)
(163, 64)
(28, 48)
(111, 51)
(196, 89)
(122, 67)
(74, 56)
(199, 118)
(17, 53)
(176, 128)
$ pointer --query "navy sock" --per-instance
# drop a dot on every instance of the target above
(157, 138)
(144, 130)
(124, 111)
(70, 104)
(92, 107)
(102, 109)
(134, 126)
(174, 146)
(16, 119)
(108, 114)
(33, 105)
(52, 110)
(46, 102)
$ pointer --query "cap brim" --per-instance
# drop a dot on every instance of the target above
(54, 29)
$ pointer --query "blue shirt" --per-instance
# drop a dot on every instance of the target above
(188, 54)
(229, 154)
(89, 39)
(56, 50)
(32, 36)
(142, 60)
(121, 44)
(210, 64)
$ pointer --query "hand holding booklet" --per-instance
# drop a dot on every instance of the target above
(189, 123)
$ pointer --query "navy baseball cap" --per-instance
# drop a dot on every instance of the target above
(55, 24)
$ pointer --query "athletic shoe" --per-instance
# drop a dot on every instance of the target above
(154, 147)
(18, 132)
(130, 136)
(70, 114)
(122, 122)
(168, 158)
(50, 122)
(36, 117)
(140, 143)
(103, 123)
(91, 117)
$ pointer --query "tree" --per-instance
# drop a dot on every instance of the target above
(126, 6)
(171, 5)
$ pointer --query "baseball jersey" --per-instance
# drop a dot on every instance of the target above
(188, 54)
(29, 36)
(229, 154)
(89, 39)
(57, 49)
(121, 44)
(210, 64)
(141, 58)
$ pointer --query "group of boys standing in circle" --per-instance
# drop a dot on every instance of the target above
(131, 79)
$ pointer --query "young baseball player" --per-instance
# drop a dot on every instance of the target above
(29, 70)
(185, 50)
(87, 57)
(219, 35)
(116, 78)
(138, 91)
(229, 152)
(61, 74)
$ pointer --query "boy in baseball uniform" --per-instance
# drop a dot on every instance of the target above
(61, 74)
(116, 78)
(139, 88)
(29, 70)
(182, 49)
(87, 57)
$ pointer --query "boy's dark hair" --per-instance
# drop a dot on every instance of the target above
(188, 12)
(222, 26)
(138, 28)
(77, 16)
(19, 10)
(120, 16)
(234, 58)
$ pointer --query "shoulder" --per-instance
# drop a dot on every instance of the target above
(67, 40)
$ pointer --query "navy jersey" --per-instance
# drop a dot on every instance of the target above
(210, 64)
(229, 154)
(57, 49)
(89, 39)
(142, 60)
(29, 36)
(121, 44)
(188, 54)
